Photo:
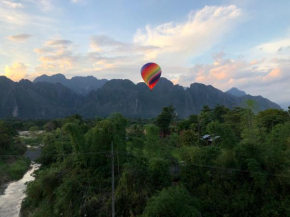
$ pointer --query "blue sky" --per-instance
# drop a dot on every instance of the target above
(242, 43)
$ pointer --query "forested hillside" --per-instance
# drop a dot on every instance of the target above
(221, 162)
(43, 100)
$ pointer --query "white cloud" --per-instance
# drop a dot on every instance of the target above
(275, 46)
(58, 42)
(57, 56)
(12, 18)
(11, 4)
(106, 44)
(181, 41)
(44, 5)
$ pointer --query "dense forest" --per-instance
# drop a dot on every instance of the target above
(219, 163)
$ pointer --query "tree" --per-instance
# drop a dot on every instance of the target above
(152, 143)
(234, 118)
(270, 118)
(205, 109)
(5, 137)
(172, 202)
(189, 137)
(165, 119)
(133, 189)
(33, 129)
(225, 133)
(219, 112)
(185, 124)
(252, 105)
(204, 119)
(227, 136)
(52, 125)
(214, 129)
(159, 174)
(77, 119)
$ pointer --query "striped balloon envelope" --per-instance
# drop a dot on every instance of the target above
(151, 73)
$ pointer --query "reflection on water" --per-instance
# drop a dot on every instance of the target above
(10, 201)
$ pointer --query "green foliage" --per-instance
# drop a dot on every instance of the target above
(165, 118)
(173, 140)
(252, 105)
(134, 188)
(135, 131)
(13, 168)
(18, 168)
(204, 119)
(28, 125)
(12, 164)
(5, 137)
(189, 138)
(33, 129)
(245, 172)
(227, 136)
(152, 143)
(214, 129)
(270, 118)
(158, 170)
(172, 202)
(34, 140)
(235, 118)
(219, 112)
(52, 125)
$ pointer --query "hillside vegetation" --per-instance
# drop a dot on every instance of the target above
(164, 166)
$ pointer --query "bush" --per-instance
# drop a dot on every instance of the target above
(33, 129)
(18, 168)
(173, 201)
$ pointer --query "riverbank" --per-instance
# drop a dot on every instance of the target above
(10, 201)
(13, 168)
(16, 163)
(20, 168)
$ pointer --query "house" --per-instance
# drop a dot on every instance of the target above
(209, 139)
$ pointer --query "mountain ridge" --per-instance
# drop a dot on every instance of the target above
(36, 100)
(79, 84)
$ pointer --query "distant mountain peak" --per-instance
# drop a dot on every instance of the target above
(236, 92)
(59, 75)
(78, 84)
(56, 78)
(5, 79)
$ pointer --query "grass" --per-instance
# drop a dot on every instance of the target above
(33, 140)
(17, 169)
(13, 169)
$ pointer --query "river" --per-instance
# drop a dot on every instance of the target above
(14, 193)
(10, 201)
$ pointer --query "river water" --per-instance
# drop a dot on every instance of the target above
(14, 193)
(10, 201)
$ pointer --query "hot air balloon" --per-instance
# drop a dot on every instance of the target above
(151, 73)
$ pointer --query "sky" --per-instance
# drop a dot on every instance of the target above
(223, 43)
